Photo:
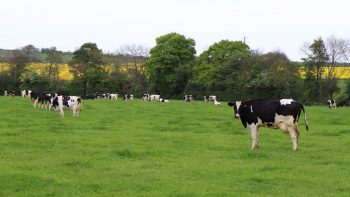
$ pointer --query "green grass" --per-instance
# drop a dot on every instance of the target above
(122, 148)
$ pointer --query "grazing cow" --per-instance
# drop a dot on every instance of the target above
(188, 98)
(163, 100)
(11, 93)
(72, 102)
(209, 98)
(113, 96)
(331, 103)
(44, 99)
(277, 114)
(145, 97)
(128, 97)
(154, 97)
(216, 102)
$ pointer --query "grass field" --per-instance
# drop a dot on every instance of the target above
(122, 148)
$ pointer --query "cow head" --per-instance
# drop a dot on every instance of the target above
(235, 105)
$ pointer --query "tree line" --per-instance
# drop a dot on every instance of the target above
(228, 69)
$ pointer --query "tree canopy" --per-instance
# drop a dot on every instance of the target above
(170, 64)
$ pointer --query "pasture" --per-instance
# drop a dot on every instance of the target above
(135, 148)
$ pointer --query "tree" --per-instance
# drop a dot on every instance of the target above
(216, 59)
(277, 77)
(31, 51)
(316, 60)
(53, 58)
(35, 82)
(87, 59)
(338, 51)
(18, 62)
(133, 59)
(170, 64)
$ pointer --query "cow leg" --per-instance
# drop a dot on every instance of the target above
(61, 112)
(35, 103)
(254, 131)
(74, 109)
(293, 132)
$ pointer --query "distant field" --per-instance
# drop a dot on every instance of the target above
(341, 72)
(123, 148)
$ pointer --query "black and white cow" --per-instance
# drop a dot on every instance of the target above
(113, 96)
(188, 98)
(277, 114)
(209, 98)
(42, 99)
(331, 104)
(25, 93)
(128, 97)
(154, 97)
(145, 97)
(72, 102)
(164, 100)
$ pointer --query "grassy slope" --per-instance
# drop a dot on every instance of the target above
(155, 149)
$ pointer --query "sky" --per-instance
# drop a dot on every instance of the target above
(266, 25)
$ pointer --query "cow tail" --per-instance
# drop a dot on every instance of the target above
(305, 121)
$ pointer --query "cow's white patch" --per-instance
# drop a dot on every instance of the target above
(286, 101)
(238, 104)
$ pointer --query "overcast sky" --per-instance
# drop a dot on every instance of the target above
(268, 25)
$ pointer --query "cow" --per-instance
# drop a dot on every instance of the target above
(216, 103)
(128, 97)
(113, 96)
(43, 99)
(11, 93)
(163, 100)
(277, 114)
(5, 93)
(331, 104)
(34, 96)
(209, 98)
(145, 97)
(72, 102)
(188, 98)
(154, 97)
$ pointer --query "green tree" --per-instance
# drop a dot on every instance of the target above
(315, 62)
(87, 59)
(170, 64)
(277, 77)
(35, 82)
(19, 61)
(53, 58)
(220, 58)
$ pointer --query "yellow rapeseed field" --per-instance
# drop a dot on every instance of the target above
(342, 72)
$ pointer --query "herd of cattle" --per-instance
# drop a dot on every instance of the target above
(60, 101)
(281, 114)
